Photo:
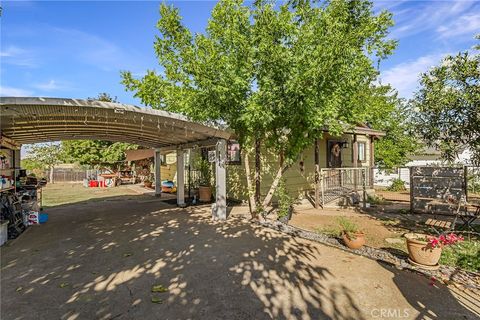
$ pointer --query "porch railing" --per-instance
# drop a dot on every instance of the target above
(334, 183)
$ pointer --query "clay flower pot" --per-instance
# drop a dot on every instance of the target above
(204, 194)
(147, 184)
(421, 251)
(356, 241)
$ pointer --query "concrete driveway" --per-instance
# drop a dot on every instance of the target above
(99, 260)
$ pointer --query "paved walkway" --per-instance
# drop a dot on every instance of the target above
(99, 260)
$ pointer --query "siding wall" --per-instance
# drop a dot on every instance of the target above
(298, 180)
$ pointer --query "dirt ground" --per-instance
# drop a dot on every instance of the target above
(100, 259)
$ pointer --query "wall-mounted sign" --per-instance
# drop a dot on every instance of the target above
(211, 156)
(233, 152)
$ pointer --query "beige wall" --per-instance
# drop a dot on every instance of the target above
(298, 180)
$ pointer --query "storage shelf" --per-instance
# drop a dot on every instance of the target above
(6, 189)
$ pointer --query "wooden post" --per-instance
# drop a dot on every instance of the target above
(465, 182)
(355, 161)
(372, 160)
(180, 178)
(317, 174)
(158, 177)
(411, 190)
(220, 211)
(322, 188)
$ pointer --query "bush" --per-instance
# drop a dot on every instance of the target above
(397, 185)
(348, 227)
(465, 255)
(285, 201)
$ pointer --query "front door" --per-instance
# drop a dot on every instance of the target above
(334, 154)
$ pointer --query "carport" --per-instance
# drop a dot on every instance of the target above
(25, 120)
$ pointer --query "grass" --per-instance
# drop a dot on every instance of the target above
(465, 255)
(67, 193)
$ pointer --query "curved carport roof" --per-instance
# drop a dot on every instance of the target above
(32, 120)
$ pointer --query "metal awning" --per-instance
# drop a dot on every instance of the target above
(35, 119)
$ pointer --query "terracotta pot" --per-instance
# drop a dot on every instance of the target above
(204, 194)
(355, 242)
(422, 252)
(147, 184)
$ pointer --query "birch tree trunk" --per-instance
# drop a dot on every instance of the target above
(273, 187)
(251, 195)
(257, 171)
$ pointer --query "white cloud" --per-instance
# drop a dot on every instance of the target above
(404, 76)
(468, 24)
(17, 56)
(50, 86)
(427, 16)
(14, 92)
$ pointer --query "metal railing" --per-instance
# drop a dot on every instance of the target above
(335, 183)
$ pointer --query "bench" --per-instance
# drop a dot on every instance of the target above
(444, 224)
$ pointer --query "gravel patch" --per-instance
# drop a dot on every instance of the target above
(448, 275)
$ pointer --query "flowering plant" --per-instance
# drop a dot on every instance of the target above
(444, 240)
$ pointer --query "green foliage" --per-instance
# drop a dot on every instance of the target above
(43, 156)
(448, 104)
(281, 74)
(95, 152)
(397, 185)
(31, 164)
(465, 255)
(348, 227)
(285, 201)
(205, 169)
(376, 200)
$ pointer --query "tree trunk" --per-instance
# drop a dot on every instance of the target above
(51, 174)
(273, 187)
(251, 195)
(257, 171)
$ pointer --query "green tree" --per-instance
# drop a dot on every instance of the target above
(447, 106)
(275, 75)
(96, 152)
(45, 155)
(392, 115)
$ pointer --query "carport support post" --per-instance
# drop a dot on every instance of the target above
(220, 211)
(180, 178)
(158, 178)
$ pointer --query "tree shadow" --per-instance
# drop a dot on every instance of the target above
(100, 260)
(432, 299)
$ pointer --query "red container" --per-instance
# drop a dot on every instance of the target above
(93, 183)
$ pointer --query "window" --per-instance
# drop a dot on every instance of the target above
(361, 151)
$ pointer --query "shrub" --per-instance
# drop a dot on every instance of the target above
(348, 227)
(465, 255)
(397, 185)
(285, 201)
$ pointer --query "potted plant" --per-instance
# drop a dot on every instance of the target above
(205, 180)
(147, 183)
(285, 203)
(425, 250)
(352, 236)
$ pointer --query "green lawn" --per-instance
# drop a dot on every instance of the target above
(67, 193)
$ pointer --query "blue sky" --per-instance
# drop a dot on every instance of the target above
(77, 49)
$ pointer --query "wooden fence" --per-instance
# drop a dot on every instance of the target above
(432, 187)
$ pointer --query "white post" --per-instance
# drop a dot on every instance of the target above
(158, 176)
(180, 178)
(220, 211)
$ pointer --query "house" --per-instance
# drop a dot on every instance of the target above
(142, 163)
(345, 164)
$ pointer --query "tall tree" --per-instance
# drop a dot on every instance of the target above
(96, 152)
(47, 155)
(392, 115)
(448, 106)
(276, 75)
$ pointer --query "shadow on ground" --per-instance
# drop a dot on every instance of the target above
(99, 260)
